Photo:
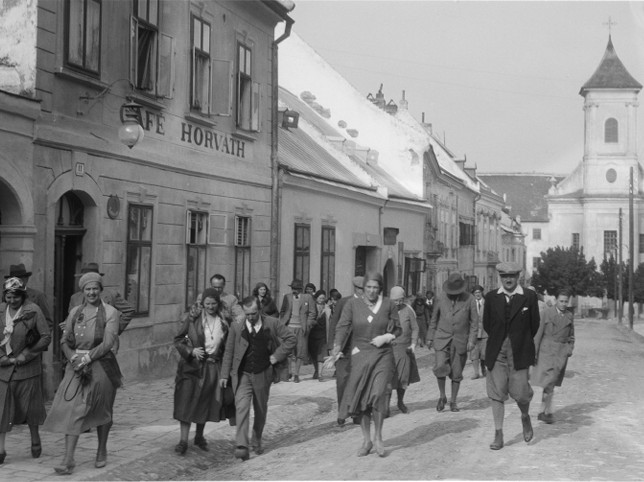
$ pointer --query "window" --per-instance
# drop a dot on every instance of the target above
(641, 249)
(535, 262)
(84, 34)
(327, 270)
(151, 51)
(466, 234)
(414, 267)
(139, 257)
(247, 91)
(611, 131)
(302, 252)
(201, 73)
(610, 242)
(196, 241)
(242, 256)
(536, 233)
(575, 241)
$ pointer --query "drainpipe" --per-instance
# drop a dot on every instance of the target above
(275, 194)
(476, 199)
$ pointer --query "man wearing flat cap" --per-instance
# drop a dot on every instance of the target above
(343, 364)
(299, 313)
(33, 295)
(452, 332)
(511, 320)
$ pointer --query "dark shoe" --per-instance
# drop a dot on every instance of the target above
(365, 449)
(453, 407)
(380, 449)
(101, 461)
(527, 428)
(341, 422)
(541, 417)
(2, 457)
(258, 449)
(402, 407)
(241, 452)
(316, 376)
(181, 447)
(201, 443)
(65, 469)
(440, 406)
(498, 440)
(296, 378)
(546, 417)
(36, 450)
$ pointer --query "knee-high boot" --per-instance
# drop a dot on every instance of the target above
(101, 453)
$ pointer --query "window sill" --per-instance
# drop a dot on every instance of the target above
(245, 135)
(205, 121)
(85, 79)
(147, 101)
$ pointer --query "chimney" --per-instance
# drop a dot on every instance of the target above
(372, 157)
(403, 104)
(460, 163)
(427, 125)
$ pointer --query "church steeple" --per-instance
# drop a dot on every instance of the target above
(611, 74)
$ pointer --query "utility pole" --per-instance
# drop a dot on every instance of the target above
(631, 251)
(620, 293)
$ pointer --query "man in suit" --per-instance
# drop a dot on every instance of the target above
(511, 320)
(452, 333)
(298, 311)
(33, 295)
(343, 364)
(230, 302)
(256, 351)
(477, 355)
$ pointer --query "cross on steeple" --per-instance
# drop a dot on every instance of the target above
(610, 24)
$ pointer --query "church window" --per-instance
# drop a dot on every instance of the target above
(536, 233)
(535, 262)
(611, 131)
(641, 243)
(610, 242)
(575, 241)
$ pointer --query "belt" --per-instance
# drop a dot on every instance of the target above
(212, 358)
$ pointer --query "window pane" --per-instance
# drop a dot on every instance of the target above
(142, 9)
(247, 70)
(205, 46)
(144, 279)
(132, 288)
(134, 222)
(93, 40)
(146, 224)
(76, 21)
(196, 35)
(154, 12)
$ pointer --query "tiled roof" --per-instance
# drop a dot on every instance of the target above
(525, 193)
(611, 74)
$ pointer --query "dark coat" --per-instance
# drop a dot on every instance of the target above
(191, 335)
(333, 323)
(268, 306)
(28, 359)
(281, 343)
(522, 328)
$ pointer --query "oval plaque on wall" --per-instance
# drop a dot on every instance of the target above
(611, 175)
(113, 206)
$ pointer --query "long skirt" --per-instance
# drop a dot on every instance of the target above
(317, 345)
(199, 398)
(21, 402)
(406, 368)
(77, 408)
(370, 382)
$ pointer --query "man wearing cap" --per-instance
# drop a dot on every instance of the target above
(511, 320)
(33, 295)
(111, 297)
(299, 313)
(343, 364)
(452, 332)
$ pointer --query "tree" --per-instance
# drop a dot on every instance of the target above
(567, 267)
(609, 269)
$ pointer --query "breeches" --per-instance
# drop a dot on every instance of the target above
(450, 363)
(503, 380)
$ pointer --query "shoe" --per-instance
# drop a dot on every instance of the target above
(453, 407)
(296, 378)
(402, 407)
(181, 447)
(2, 457)
(36, 450)
(541, 417)
(101, 461)
(380, 449)
(316, 376)
(241, 452)
(201, 443)
(365, 449)
(258, 449)
(498, 440)
(341, 422)
(527, 428)
(440, 406)
(546, 417)
(65, 469)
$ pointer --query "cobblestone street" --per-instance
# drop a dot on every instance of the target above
(597, 434)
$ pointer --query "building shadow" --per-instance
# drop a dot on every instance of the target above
(428, 433)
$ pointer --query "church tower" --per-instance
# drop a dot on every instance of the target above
(610, 134)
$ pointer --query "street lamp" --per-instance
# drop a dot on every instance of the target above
(131, 132)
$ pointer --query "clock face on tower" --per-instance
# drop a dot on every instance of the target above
(611, 175)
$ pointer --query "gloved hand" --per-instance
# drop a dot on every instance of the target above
(412, 349)
(380, 340)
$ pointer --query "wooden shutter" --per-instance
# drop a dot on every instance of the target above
(222, 87)
(165, 81)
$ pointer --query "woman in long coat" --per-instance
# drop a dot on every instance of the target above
(372, 321)
(25, 335)
(317, 335)
(198, 396)
(85, 397)
(554, 343)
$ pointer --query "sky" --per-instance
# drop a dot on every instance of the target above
(498, 81)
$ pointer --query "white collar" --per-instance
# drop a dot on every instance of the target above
(256, 328)
(517, 291)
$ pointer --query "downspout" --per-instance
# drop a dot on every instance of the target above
(474, 231)
(275, 184)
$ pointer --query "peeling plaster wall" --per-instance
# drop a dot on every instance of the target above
(18, 46)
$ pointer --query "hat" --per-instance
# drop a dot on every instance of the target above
(478, 288)
(310, 285)
(17, 271)
(296, 284)
(397, 293)
(90, 278)
(14, 285)
(89, 268)
(455, 284)
(508, 268)
(358, 281)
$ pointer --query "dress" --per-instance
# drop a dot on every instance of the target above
(554, 344)
(406, 367)
(317, 335)
(372, 368)
(198, 396)
(21, 396)
(77, 408)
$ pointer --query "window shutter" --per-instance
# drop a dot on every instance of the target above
(242, 231)
(217, 229)
(208, 88)
(193, 89)
(134, 49)
(222, 85)
(238, 103)
(165, 82)
(188, 219)
(255, 101)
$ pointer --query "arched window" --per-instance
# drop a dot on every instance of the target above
(611, 131)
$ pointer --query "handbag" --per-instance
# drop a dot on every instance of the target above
(32, 337)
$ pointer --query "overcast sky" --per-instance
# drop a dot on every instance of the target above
(499, 81)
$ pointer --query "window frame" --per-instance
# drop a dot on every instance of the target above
(611, 131)
(203, 106)
(302, 254)
(247, 102)
(327, 258)
(575, 241)
(139, 244)
(610, 241)
(536, 234)
(68, 31)
(196, 243)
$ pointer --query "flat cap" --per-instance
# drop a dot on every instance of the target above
(509, 268)
(358, 281)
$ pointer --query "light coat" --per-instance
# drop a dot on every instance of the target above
(453, 321)
(308, 311)
(554, 343)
